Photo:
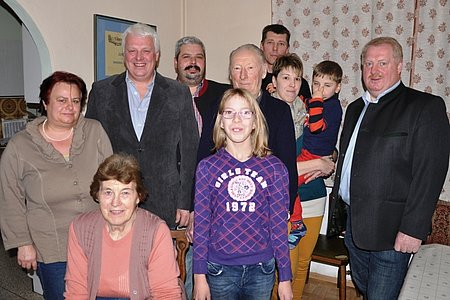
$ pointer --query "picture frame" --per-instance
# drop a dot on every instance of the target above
(108, 50)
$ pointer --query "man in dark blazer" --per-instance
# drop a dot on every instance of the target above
(394, 152)
(247, 69)
(152, 118)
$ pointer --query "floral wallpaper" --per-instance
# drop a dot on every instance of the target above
(338, 29)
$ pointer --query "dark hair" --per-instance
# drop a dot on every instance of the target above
(328, 68)
(290, 60)
(121, 167)
(277, 29)
(61, 76)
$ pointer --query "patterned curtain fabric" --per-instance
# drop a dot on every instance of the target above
(337, 30)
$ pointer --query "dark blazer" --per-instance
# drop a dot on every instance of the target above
(167, 150)
(281, 136)
(399, 165)
(210, 93)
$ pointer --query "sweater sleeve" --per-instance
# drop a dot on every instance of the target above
(163, 269)
(77, 269)
(13, 220)
(202, 220)
(279, 206)
(316, 120)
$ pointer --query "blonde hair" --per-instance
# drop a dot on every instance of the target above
(383, 40)
(259, 135)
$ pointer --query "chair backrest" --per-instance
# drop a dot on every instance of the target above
(182, 245)
(440, 228)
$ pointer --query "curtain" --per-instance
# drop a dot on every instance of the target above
(338, 29)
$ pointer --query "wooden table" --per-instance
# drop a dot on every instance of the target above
(428, 275)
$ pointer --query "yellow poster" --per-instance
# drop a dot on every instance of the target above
(113, 53)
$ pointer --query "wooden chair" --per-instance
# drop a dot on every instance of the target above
(182, 245)
(332, 251)
(440, 228)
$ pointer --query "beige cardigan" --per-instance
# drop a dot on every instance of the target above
(41, 192)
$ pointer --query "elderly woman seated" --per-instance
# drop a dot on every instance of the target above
(120, 251)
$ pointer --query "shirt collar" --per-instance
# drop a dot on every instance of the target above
(198, 89)
(129, 81)
(368, 99)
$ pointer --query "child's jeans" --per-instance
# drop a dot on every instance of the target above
(242, 281)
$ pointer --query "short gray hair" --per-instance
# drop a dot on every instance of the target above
(188, 40)
(384, 40)
(141, 30)
(249, 47)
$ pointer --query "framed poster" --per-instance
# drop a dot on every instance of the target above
(108, 49)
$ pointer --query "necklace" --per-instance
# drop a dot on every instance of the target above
(53, 139)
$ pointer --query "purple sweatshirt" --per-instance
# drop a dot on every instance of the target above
(241, 211)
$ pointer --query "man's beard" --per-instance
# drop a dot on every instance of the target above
(196, 77)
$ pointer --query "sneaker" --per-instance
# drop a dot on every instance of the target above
(298, 230)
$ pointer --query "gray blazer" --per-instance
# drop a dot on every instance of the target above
(167, 150)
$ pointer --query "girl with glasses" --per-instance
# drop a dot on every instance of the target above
(241, 209)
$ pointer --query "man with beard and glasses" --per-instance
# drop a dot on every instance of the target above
(190, 65)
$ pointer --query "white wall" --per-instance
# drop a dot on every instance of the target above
(67, 30)
(11, 83)
(225, 25)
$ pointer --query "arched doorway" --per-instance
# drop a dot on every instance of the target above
(35, 54)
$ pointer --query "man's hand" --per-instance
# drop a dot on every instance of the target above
(26, 257)
(182, 218)
(190, 228)
(406, 244)
(285, 290)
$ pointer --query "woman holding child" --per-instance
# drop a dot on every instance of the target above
(318, 124)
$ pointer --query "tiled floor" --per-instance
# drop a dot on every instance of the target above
(14, 282)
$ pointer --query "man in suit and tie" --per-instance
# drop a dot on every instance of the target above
(152, 118)
(394, 152)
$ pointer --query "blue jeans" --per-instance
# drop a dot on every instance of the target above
(249, 282)
(377, 274)
(188, 284)
(52, 279)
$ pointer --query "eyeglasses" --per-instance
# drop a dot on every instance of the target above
(243, 114)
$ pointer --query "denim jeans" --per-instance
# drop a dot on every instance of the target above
(249, 282)
(52, 279)
(377, 274)
(188, 284)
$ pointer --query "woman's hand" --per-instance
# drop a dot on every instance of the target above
(26, 257)
(285, 290)
(322, 167)
(327, 165)
(201, 288)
